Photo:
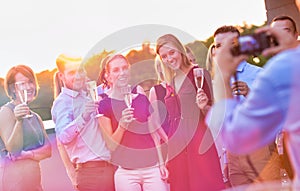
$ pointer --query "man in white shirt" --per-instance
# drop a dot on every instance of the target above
(78, 131)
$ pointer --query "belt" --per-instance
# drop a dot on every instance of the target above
(92, 164)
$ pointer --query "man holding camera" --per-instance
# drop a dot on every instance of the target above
(271, 106)
(262, 164)
(287, 24)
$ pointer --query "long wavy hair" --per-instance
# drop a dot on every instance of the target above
(169, 74)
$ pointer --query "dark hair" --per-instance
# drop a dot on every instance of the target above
(285, 17)
(226, 29)
(105, 68)
(102, 75)
(9, 82)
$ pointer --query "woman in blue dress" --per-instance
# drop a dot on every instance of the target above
(23, 139)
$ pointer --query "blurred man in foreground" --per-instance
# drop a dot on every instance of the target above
(272, 104)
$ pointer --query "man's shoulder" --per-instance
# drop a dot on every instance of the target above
(286, 59)
(62, 99)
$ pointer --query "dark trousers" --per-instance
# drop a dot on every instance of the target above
(95, 178)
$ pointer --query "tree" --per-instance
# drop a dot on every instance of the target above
(92, 65)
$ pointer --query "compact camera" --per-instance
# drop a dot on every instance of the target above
(252, 44)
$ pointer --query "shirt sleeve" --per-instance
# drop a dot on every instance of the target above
(103, 107)
(255, 122)
(67, 127)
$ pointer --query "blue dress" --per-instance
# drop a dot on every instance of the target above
(23, 174)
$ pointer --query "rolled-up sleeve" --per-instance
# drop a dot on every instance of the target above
(255, 122)
(66, 126)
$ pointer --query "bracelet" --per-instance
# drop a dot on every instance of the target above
(122, 127)
(19, 119)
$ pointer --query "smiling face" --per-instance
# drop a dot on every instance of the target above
(118, 72)
(170, 56)
(73, 76)
(18, 74)
(29, 87)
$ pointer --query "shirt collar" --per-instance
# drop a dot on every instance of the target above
(241, 66)
(72, 93)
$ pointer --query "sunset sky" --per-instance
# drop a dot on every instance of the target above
(35, 32)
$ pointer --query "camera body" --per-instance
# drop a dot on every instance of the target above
(252, 44)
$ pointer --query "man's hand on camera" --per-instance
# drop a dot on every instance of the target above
(285, 40)
(226, 62)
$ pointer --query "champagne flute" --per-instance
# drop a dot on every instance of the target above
(92, 88)
(126, 91)
(199, 77)
(21, 88)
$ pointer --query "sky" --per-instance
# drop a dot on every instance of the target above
(35, 32)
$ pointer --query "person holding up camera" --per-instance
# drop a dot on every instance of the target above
(287, 24)
(271, 106)
(261, 164)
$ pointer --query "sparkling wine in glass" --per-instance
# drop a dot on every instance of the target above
(199, 77)
(92, 88)
(21, 88)
(126, 91)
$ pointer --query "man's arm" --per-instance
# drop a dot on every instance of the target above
(255, 122)
(67, 126)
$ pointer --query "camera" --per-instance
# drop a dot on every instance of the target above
(252, 44)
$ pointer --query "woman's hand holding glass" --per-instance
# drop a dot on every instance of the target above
(201, 99)
(22, 110)
(127, 117)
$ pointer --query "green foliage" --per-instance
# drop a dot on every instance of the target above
(142, 70)
(93, 64)
(200, 51)
(209, 41)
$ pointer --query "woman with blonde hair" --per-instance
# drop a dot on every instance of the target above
(193, 160)
(209, 60)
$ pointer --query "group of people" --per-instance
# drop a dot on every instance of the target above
(135, 146)
(181, 137)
